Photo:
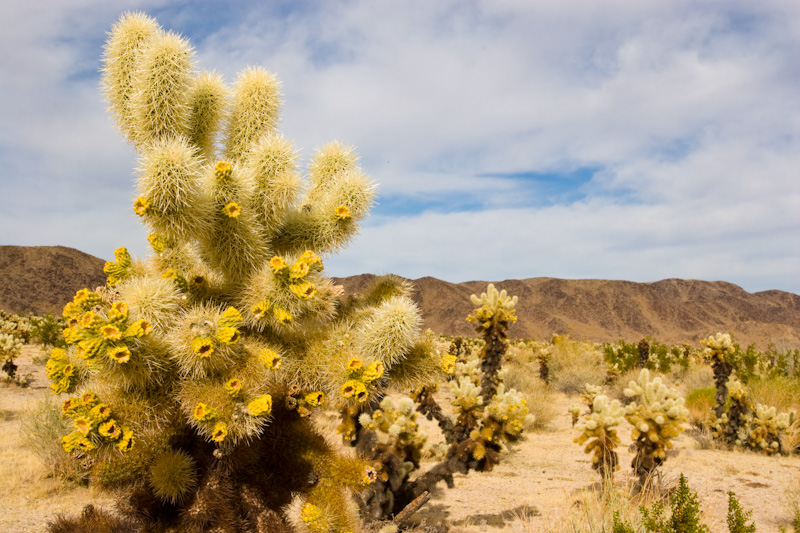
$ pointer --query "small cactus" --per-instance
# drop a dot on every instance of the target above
(656, 413)
(599, 429)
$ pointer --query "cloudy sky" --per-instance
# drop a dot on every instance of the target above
(612, 139)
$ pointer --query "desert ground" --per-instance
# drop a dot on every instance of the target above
(545, 483)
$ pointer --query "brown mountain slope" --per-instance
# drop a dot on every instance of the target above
(671, 310)
(43, 278)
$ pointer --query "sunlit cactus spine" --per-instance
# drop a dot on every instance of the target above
(656, 413)
(193, 376)
(599, 429)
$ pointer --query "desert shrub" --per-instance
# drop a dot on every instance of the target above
(700, 402)
(205, 362)
(48, 330)
(574, 363)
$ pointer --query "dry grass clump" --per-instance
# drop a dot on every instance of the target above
(573, 364)
(41, 429)
(523, 376)
(783, 393)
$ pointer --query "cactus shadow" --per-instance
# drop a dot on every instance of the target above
(500, 519)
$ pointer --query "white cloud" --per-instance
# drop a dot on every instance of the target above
(690, 112)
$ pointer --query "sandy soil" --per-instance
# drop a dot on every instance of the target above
(538, 487)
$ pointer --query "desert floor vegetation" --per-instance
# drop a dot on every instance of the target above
(544, 483)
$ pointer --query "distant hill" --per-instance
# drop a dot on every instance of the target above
(43, 278)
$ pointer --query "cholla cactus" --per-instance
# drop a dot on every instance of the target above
(493, 318)
(483, 423)
(599, 428)
(764, 427)
(396, 452)
(10, 347)
(590, 392)
(656, 414)
(195, 373)
(720, 352)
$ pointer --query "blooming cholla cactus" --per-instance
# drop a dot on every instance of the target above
(656, 414)
(493, 318)
(599, 428)
(196, 371)
(720, 352)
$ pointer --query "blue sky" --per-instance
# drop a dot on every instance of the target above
(611, 139)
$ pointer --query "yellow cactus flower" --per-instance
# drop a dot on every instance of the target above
(342, 212)
(282, 315)
(369, 476)
(68, 370)
(219, 432)
(156, 242)
(170, 273)
(202, 346)
(354, 365)
(374, 371)
(70, 405)
(299, 271)
(126, 441)
(232, 210)
(231, 317)
(233, 386)
(261, 405)
(100, 412)
(355, 389)
(309, 258)
(81, 295)
(111, 333)
(315, 398)
(120, 354)
(228, 335)
(448, 363)
(305, 290)
(90, 320)
(82, 424)
(222, 170)
(310, 513)
(110, 429)
(141, 206)
(277, 263)
(203, 413)
(261, 309)
(269, 358)
(118, 312)
(89, 399)
(140, 328)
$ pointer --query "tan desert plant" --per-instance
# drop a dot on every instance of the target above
(572, 364)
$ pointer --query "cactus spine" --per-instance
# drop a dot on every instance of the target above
(193, 376)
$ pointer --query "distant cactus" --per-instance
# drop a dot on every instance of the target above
(194, 374)
(720, 352)
(15, 331)
(657, 414)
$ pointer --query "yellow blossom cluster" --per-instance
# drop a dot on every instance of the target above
(94, 425)
(360, 377)
(98, 329)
